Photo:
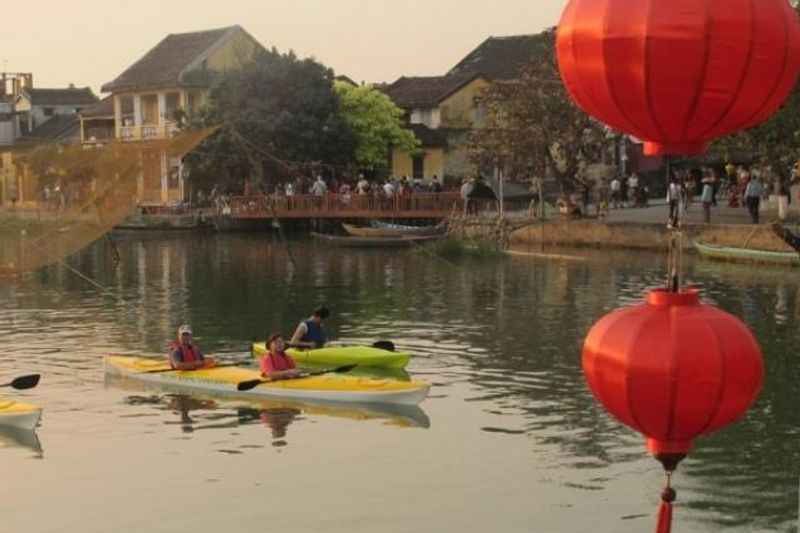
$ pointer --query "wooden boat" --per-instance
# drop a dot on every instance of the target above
(393, 230)
(374, 242)
(727, 253)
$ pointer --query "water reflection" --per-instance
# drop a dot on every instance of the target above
(21, 438)
(500, 340)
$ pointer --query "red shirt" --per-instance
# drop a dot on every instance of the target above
(276, 363)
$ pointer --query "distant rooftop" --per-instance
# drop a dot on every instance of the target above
(105, 108)
(166, 64)
(425, 92)
(57, 128)
(61, 97)
(502, 58)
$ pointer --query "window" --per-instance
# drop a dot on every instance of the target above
(419, 167)
(48, 111)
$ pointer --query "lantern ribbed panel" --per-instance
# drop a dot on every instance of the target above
(679, 73)
(673, 372)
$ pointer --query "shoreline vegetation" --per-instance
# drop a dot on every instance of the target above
(645, 236)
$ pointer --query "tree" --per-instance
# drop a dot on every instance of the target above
(376, 123)
(532, 125)
(276, 113)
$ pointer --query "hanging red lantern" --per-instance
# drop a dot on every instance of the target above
(673, 369)
(679, 73)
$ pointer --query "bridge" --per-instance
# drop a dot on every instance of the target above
(347, 206)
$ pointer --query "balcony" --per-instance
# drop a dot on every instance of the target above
(148, 132)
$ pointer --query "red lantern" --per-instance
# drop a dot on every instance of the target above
(679, 73)
(673, 369)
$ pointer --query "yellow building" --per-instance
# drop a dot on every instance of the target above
(440, 110)
(147, 99)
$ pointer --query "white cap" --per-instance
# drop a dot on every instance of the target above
(186, 328)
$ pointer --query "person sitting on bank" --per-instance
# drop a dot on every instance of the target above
(309, 333)
(277, 364)
(185, 355)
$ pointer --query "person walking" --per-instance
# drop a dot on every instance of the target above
(707, 198)
(782, 190)
(616, 192)
(752, 197)
(673, 200)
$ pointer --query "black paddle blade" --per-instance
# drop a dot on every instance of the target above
(25, 382)
(384, 345)
(249, 385)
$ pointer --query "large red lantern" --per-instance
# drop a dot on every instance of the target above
(679, 73)
(673, 369)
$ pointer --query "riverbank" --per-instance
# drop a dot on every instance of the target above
(644, 235)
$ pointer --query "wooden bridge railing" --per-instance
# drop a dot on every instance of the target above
(347, 205)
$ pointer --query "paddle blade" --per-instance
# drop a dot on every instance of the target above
(249, 385)
(25, 382)
(384, 345)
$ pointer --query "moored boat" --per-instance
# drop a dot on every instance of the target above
(393, 230)
(224, 380)
(363, 356)
(14, 414)
(374, 242)
(728, 253)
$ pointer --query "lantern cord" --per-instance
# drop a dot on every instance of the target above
(668, 496)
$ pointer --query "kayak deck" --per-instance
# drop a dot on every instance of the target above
(343, 355)
(327, 387)
(19, 415)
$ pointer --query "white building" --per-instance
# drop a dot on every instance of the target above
(34, 107)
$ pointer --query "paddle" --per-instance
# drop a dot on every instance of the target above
(162, 370)
(252, 384)
(384, 345)
(23, 382)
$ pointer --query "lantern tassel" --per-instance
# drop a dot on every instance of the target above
(668, 496)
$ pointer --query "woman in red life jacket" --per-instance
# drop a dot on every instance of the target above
(276, 364)
(185, 355)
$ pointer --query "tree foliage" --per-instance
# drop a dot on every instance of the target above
(275, 112)
(376, 122)
(532, 125)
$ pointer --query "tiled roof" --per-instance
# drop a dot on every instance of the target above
(105, 108)
(502, 58)
(164, 65)
(56, 97)
(57, 128)
(426, 92)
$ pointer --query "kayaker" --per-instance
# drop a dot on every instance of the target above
(309, 333)
(277, 364)
(184, 354)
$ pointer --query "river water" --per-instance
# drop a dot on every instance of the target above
(510, 439)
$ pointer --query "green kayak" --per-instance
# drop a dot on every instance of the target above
(363, 356)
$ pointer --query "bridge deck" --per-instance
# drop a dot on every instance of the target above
(433, 206)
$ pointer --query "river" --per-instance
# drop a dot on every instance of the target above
(510, 439)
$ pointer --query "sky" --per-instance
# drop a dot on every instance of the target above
(90, 42)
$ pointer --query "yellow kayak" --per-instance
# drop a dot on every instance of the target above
(19, 415)
(327, 387)
(363, 356)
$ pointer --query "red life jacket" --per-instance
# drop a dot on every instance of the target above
(188, 353)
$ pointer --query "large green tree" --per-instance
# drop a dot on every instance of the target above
(278, 114)
(376, 122)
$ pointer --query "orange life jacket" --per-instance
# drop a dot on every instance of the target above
(189, 354)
